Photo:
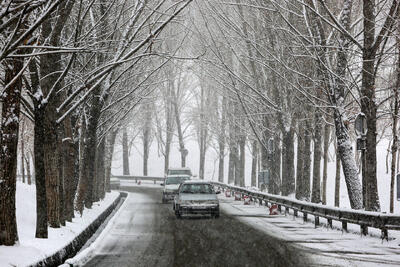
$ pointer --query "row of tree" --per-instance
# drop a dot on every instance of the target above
(280, 75)
(75, 70)
(296, 70)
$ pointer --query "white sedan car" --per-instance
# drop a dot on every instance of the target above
(196, 197)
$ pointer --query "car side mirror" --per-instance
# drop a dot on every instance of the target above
(218, 192)
(162, 184)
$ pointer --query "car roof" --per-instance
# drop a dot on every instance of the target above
(196, 182)
(178, 175)
(179, 169)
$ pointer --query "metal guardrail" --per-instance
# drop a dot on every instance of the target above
(139, 178)
(365, 219)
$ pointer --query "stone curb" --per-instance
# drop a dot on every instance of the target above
(75, 245)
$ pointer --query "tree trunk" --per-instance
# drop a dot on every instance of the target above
(8, 151)
(254, 164)
(394, 126)
(182, 148)
(108, 158)
(101, 170)
(221, 145)
(368, 105)
(344, 147)
(242, 160)
(169, 113)
(300, 163)
(80, 200)
(28, 169)
(221, 141)
(68, 169)
(231, 165)
(22, 140)
(51, 162)
(288, 183)
(146, 140)
(337, 180)
(125, 152)
(50, 72)
(316, 185)
(86, 182)
(236, 159)
(275, 187)
(306, 187)
(325, 170)
(202, 158)
(61, 188)
(38, 155)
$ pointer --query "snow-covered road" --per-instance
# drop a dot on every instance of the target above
(146, 233)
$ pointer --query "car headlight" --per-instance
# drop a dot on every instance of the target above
(169, 191)
(185, 202)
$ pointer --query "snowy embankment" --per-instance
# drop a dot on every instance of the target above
(86, 253)
(30, 249)
(328, 246)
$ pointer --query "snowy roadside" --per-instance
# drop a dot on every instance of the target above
(30, 249)
(85, 254)
(328, 246)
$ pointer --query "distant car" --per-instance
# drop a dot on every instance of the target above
(171, 185)
(179, 171)
(196, 197)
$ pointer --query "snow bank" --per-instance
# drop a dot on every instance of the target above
(328, 247)
(86, 253)
(31, 249)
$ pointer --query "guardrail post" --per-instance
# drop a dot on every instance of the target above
(344, 227)
(286, 210)
(364, 229)
(136, 180)
(279, 208)
(316, 221)
(330, 223)
(154, 181)
(384, 234)
(304, 216)
(295, 213)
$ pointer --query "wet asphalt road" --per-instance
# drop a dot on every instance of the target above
(147, 234)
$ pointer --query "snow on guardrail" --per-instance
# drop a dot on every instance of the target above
(365, 219)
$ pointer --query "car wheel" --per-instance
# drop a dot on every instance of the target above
(215, 215)
(178, 212)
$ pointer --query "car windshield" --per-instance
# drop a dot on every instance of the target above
(178, 172)
(196, 189)
(176, 180)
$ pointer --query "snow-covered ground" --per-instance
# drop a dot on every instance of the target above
(31, 249)
(329, 246)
